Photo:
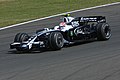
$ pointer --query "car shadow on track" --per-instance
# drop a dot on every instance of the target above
(28, 52)
(79, 43)
(38, 51)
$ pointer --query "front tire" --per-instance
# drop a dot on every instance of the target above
(56, 41)
(21, 37)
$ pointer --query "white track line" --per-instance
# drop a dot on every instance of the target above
(59, 15)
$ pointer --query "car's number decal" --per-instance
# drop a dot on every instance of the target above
(75, 23)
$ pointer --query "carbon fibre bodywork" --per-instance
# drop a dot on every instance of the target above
(83, 28)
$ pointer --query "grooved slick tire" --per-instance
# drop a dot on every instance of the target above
(20, 37)
(103, 32)
(56, 41)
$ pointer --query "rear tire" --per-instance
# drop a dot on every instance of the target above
(56, 41)
(103, 31)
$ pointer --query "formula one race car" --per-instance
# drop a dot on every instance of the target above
(70, 30)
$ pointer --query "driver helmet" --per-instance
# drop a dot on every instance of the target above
(67, 18)
(66, 15)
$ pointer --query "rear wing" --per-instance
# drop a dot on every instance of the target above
(91, 19)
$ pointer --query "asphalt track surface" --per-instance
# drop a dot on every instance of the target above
(98, 60)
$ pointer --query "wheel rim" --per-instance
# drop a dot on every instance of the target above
(107, 31)
(59, 40)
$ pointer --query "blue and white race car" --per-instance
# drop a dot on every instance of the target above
(70, 30)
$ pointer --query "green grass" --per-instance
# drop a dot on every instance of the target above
(16, 11)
